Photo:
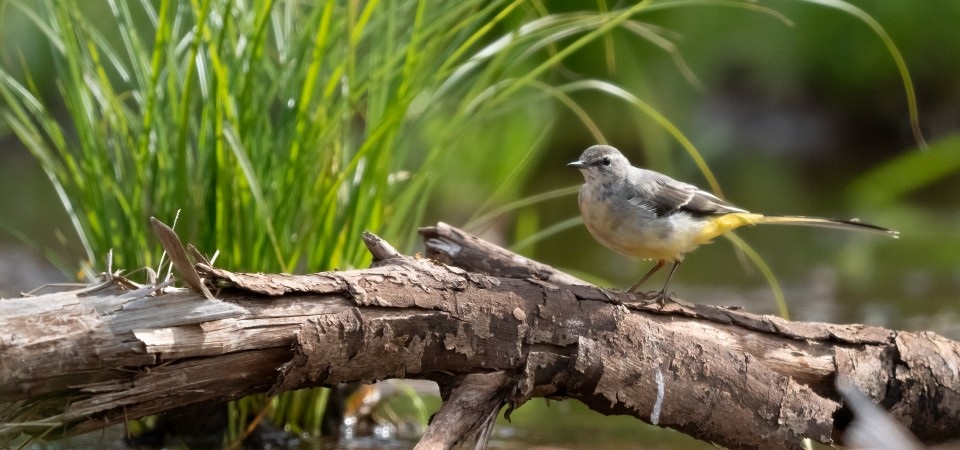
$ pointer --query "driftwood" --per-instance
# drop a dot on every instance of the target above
(490, 327)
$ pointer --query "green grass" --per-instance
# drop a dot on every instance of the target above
(281, 130)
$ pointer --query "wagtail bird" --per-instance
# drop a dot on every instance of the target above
(644, 214)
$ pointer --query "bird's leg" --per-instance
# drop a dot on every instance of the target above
(654, 269)
(662, 296)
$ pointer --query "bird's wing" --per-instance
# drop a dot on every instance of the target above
(664, 196)
(705, 203)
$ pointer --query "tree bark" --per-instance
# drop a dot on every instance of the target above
(491, 327)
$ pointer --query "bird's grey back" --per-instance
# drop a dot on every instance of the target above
(663, 196)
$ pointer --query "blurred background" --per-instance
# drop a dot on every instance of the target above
(282, 130)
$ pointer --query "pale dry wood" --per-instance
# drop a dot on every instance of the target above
(446, 244)
(742, 380)
(469, 411)
(174, 249)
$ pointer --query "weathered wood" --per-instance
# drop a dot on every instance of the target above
(107, 355)
(469, 411)
(446, 244)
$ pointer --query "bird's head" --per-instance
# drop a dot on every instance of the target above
(602, 163)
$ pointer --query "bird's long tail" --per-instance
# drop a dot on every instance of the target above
(722, 224)
(849, 225)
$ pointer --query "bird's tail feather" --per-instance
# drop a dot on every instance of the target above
(849, 225)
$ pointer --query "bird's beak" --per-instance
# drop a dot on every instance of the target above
(577, 164)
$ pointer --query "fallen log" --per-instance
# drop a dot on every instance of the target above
(490, 327)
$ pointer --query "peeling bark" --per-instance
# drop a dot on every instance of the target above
(490, 327)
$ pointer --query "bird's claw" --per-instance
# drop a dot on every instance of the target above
(661, 297)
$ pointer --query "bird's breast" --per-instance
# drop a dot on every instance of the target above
(633, 231)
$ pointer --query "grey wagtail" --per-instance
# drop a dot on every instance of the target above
(644, 214)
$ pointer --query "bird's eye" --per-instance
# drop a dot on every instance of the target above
(606, 161)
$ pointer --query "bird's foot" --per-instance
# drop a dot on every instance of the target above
(662, 297)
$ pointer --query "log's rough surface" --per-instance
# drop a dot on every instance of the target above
(492, 328)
